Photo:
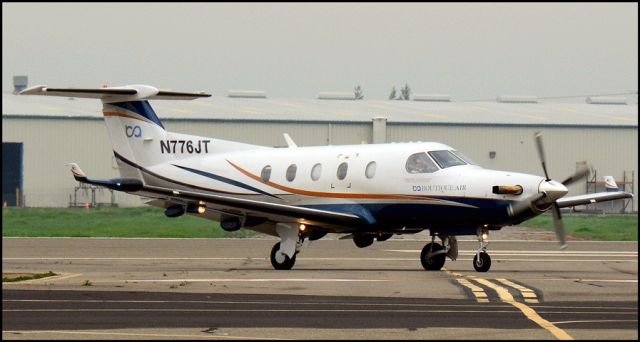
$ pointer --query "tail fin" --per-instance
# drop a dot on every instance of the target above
(136, 133)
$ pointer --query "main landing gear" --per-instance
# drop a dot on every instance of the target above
(283, 253)
(433, 254)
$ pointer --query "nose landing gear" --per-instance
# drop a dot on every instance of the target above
(482, 260)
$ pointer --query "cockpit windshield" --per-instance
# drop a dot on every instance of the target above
(465, 158)
(446, 159)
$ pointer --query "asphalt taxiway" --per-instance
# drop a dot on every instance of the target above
(226, 289)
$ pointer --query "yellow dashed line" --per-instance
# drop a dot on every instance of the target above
(531, 314)
(506, 297)
(528, 294)
(481, 296)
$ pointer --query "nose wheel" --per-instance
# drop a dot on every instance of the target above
(482, 260)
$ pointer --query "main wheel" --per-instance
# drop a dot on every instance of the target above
(483, 263)
(436, 262)
(281, 261)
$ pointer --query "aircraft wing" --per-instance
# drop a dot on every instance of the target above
(592, 198)
(330, 221)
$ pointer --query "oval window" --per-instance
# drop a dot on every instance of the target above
(316, 171)
(265, 175)
(291, 172)
(342, 170)
(370, 171)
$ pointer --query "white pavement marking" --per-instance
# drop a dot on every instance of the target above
(597, 321)
(261, 280)
(49, 332)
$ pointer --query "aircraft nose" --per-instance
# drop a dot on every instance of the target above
(552, 189)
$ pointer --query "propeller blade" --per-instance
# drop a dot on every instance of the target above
(519, 207)
(583, 172)
(558, 225)
(538, 137)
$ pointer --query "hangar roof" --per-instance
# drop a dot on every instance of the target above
(314, 110)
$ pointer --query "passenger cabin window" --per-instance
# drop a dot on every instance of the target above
(291, 172)
(265, 175)
(342, 171)
(420, 163)
(316, 171)
(446, 159)
(370, 171)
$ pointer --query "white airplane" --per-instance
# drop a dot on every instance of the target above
(369, 192)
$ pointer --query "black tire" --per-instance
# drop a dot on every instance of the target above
(482, 264)
(288, 262)
(436, 262)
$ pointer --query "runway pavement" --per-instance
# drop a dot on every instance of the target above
(226, 289)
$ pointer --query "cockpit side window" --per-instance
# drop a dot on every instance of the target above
(446, 159)
(420, 163)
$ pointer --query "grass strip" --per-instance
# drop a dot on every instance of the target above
(31, 277)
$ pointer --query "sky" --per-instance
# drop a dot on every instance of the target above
(471, 51)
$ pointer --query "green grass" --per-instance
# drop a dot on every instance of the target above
(592, 227)
(151, 222)
(31, 277)
(109, 222)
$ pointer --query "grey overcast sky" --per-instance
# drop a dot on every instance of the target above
(296, 50)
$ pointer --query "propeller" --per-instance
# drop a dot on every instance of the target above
(547, 188)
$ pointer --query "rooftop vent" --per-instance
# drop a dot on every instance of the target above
(336, 96)
(432, 97)
(19, 83)
(517, 99)
(247, 94)
(606, 100)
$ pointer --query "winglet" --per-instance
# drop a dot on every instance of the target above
(78, 174)
(290, 141)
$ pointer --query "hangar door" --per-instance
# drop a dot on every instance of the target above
(12, 174)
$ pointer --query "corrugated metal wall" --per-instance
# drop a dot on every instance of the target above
(51, 143)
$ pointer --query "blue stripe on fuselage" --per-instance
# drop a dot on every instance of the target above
(225, 180)
(142, 108)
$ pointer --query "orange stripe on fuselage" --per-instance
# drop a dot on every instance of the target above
(327, 194)
(124, 116)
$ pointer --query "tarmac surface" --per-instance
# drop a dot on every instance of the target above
(227, 289)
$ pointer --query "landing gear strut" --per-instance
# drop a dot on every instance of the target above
(433, 255)
(482, 260)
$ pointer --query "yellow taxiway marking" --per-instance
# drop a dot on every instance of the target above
(528, 294)
(531, 314)
(477, 291)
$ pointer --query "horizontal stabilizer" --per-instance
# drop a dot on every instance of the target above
(592, 198)
(120, 184)
(125, 93)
